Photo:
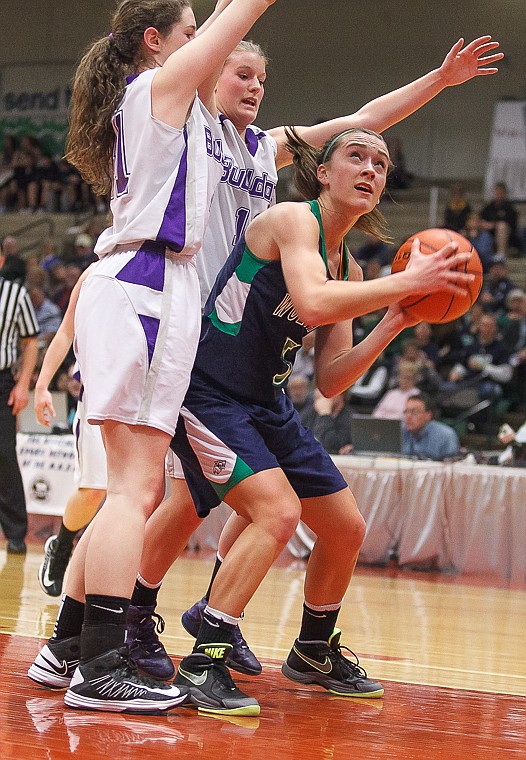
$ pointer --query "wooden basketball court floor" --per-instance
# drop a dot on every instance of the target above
(451, 653)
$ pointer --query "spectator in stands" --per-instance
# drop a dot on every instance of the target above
(304, 363)
(457, 209)
(26, 184)
(56, 274)
(49, 254)
(61, 297)
(392, 404)
(330, 421)
(413, 352)
(48, 314)
(481, 239)
(499, 216)
(9, 246)
(370, 387)
(14, 268)
(36, 277)
(83, 254)
(423, 436)
(514, 336)
(515, 453)
(9, 149)
(299, 391)
(495, 290)
(514, 308)
(485, 364)
(50, 186)
(423, 337)
(515, 304)
(456, 340)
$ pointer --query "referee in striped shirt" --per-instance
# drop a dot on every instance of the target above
(18, 333)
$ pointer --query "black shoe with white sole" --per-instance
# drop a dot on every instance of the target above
(112, 683)
(56, 662)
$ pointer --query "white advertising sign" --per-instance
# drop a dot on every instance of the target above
(507, 154)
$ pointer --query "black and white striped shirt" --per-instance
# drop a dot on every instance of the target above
(17, 320)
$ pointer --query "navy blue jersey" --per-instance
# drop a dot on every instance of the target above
(251, 332)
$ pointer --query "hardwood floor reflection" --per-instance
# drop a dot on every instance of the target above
(451, 656)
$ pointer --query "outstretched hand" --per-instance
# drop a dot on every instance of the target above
(462, 64)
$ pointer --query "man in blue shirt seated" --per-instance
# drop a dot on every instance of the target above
(424, 437)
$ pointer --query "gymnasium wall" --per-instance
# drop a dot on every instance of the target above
(328, 57)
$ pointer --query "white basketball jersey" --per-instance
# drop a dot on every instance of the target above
(247, 188)
(164, 177)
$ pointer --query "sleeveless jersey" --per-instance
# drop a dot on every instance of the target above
(247, 188)
(164, 177)
(250, 330)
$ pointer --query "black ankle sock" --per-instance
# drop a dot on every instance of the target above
(69, 620)
(217, 565)
(317, 625)
(97, 639)
(214, 631)
(66, 537)
(104, 625)
(143, 596)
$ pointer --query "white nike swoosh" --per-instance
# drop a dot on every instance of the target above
(47, 580)
(62, 668)
(108, 609)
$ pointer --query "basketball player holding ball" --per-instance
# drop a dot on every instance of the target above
(240, 438)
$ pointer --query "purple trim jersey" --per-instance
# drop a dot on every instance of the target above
(247, 187)
(164, 177)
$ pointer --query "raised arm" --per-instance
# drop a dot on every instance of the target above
(220, 7)
(290, 231)
(55, 355)
(176, 82)
(460, 65)
(207, 88)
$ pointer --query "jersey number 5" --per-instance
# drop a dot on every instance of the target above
(288, 346)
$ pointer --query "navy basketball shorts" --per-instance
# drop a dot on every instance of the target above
(221, 441)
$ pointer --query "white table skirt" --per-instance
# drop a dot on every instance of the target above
(461, 517)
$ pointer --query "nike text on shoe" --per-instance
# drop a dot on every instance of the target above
(323, 663)
(112, 683)
(144, 647)
(55, 664)
(211, 686)
(52, 570)
(241, 658)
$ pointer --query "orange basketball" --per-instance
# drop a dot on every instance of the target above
(441, 306)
